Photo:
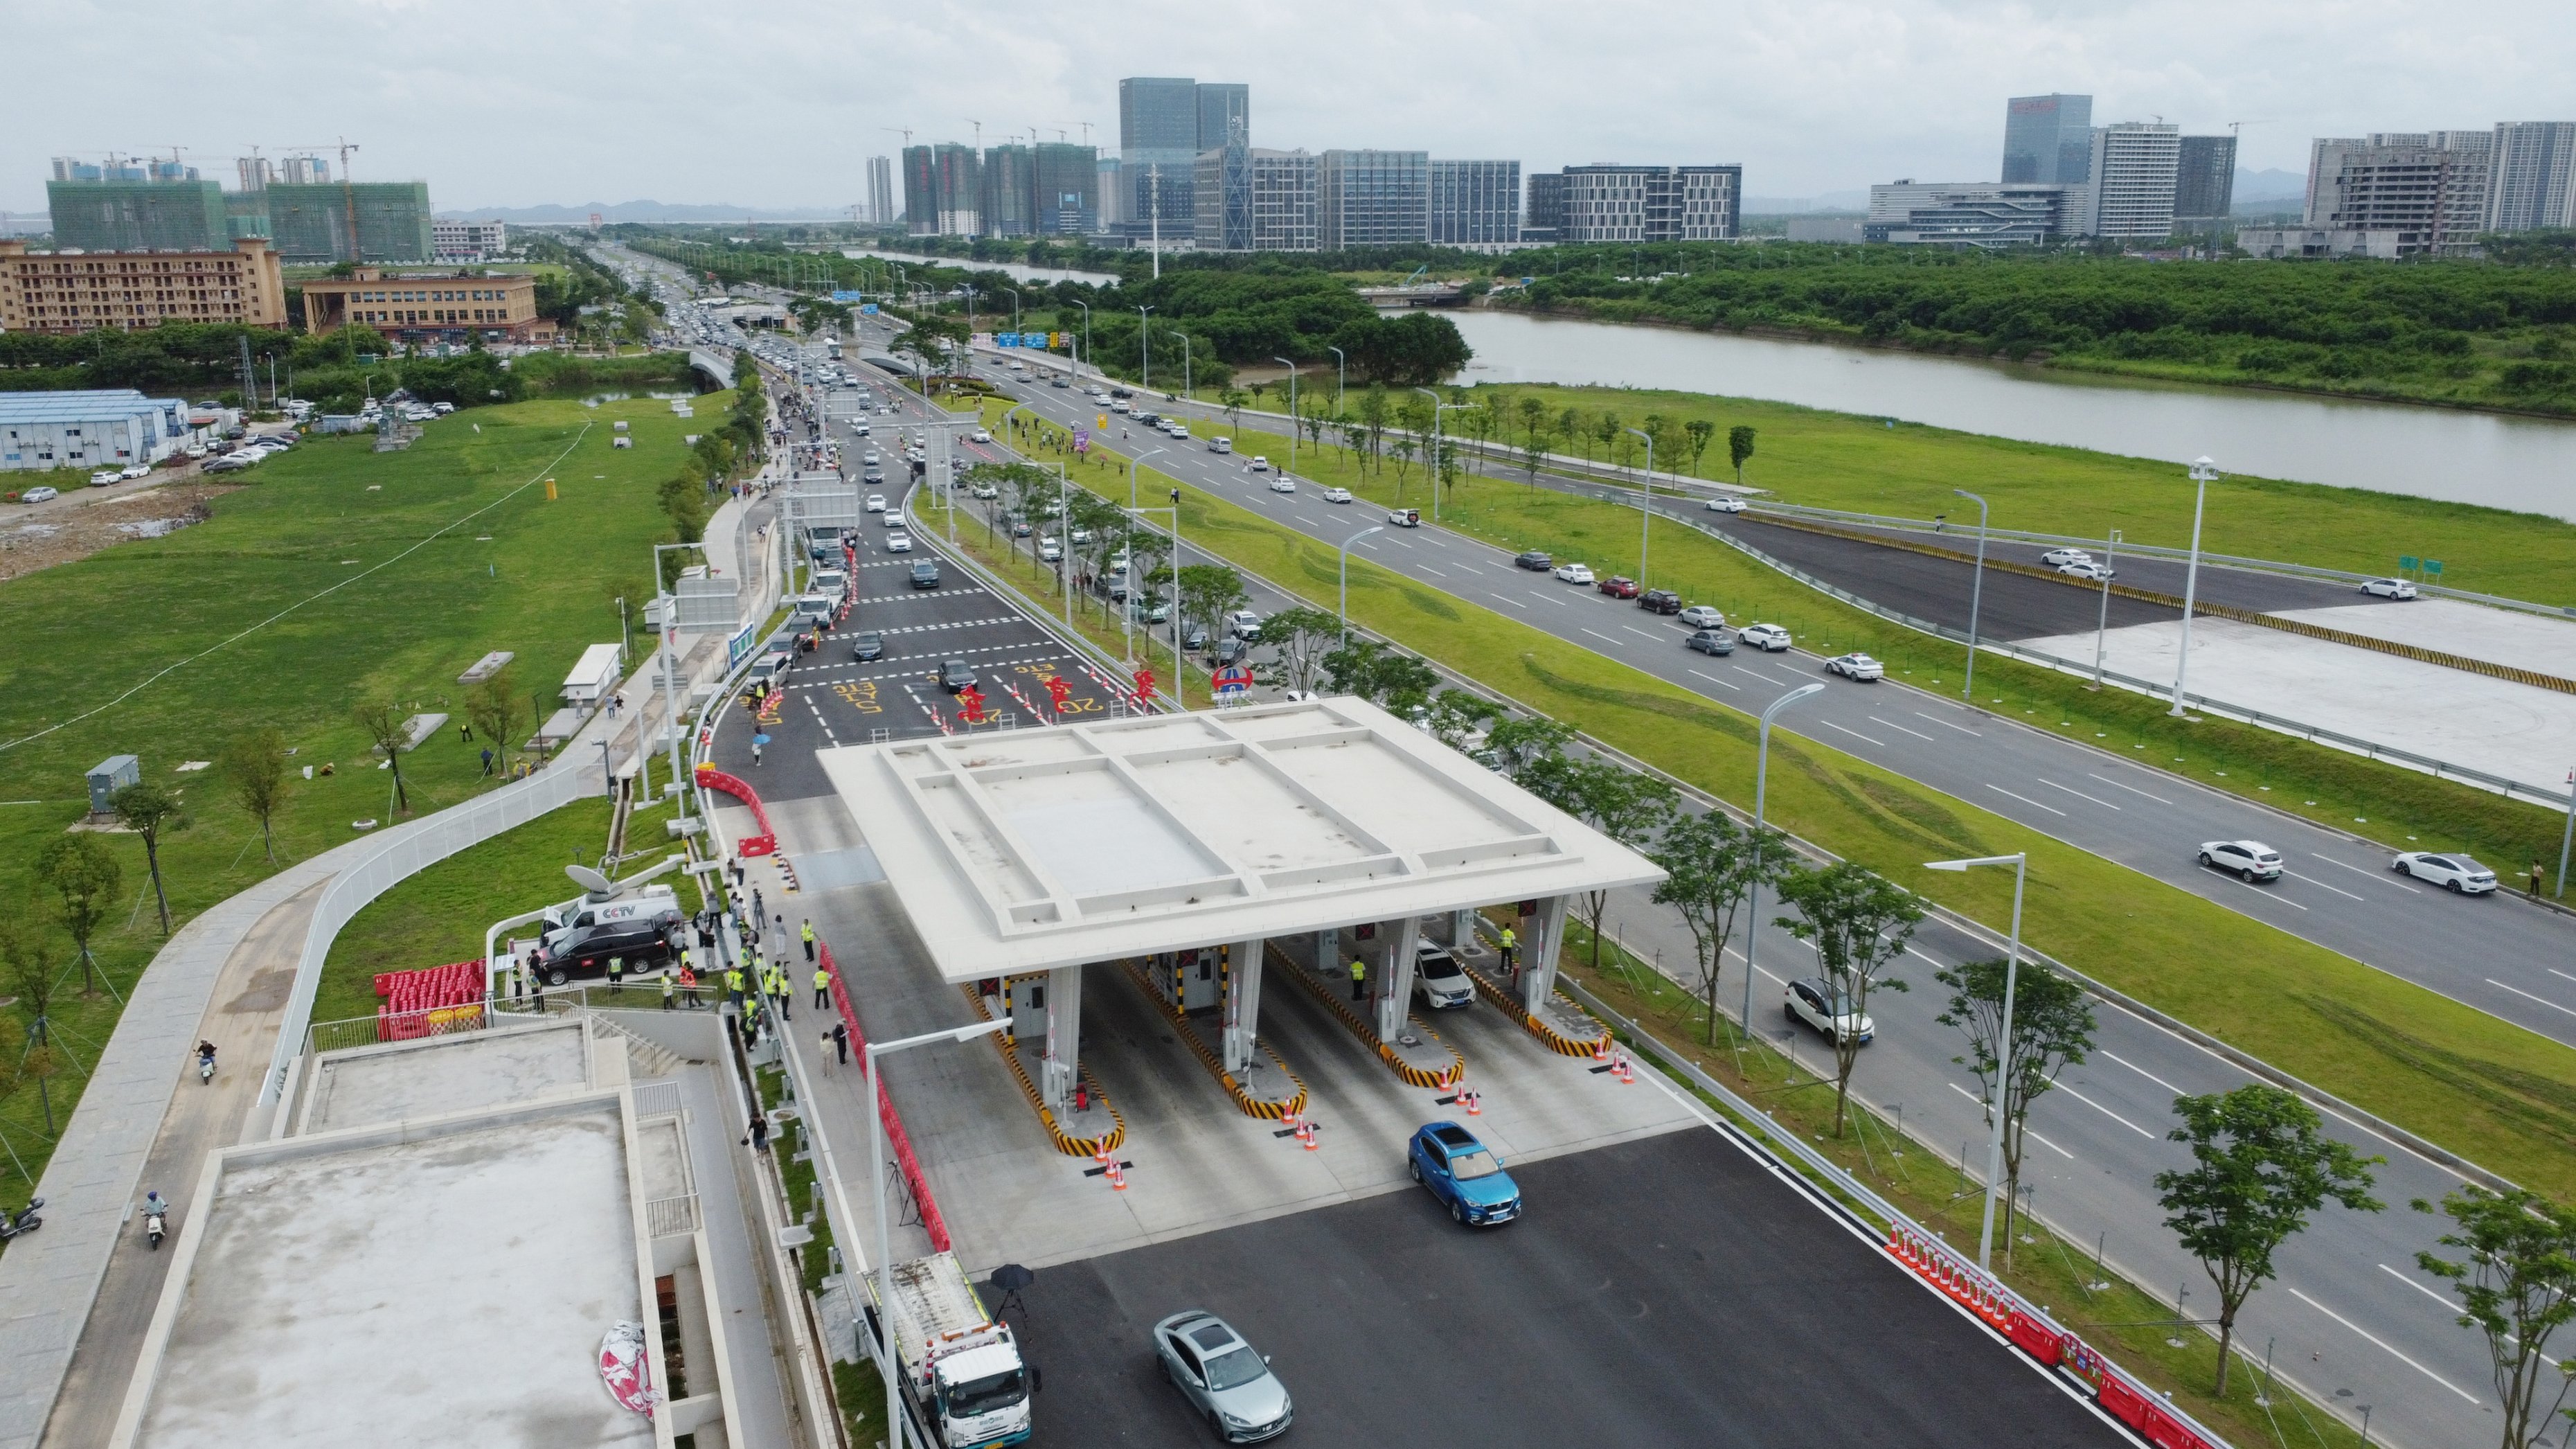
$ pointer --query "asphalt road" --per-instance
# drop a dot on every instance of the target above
(1667, 1291)
(2491, 953)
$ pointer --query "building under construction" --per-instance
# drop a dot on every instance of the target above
(166, 206)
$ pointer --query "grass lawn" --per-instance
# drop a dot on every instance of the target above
(2404, 809)
(2492, 1091)
(337, 574)
(1840, 460)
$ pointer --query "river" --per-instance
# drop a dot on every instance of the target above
(2453, 455)
(1049, 275)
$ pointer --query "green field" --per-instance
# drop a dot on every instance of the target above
(2500, 1095)
(335, 574)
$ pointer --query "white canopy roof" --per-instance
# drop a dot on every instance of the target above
(1023, 850)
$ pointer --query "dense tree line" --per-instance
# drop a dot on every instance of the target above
(2457, 329)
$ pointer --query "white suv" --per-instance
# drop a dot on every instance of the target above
(1818, 1005)
(2250, 860)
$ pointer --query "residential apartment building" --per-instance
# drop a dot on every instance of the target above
(2135, 165)
(1067, 182)
(97, 428)
(64, 291)
(2533, 165)
(467, 241)
(1007, 204)
(943, 190)
(1543, 218)
(2429, 189)
(418, 308)
(881, 205)
(2204, 178)
(1475, 202)
(1372, 198)
(2048, 139)
(1979, 215)
(1286, 200)
(1609, 202)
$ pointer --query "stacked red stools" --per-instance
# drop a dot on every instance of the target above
(424, 1003)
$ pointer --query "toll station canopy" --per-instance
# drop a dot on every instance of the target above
(1028, 850)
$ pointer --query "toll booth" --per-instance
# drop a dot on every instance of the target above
(109, 776)
(1188, 980)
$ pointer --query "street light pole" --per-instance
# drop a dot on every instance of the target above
(2203, 471)
(1645, 507)
(2020, 863)
(876, 1170)
(1145, 340)
(1127, 606)
(1341, 377)
(1086, 340)
(1292, 413)
(1976, 596)
(1185, 362)
(1753, 893)
(2102, 627)
(1346, 577)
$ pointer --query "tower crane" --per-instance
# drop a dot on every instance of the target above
(348, 188)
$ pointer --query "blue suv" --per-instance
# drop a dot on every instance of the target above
(1464, 1175)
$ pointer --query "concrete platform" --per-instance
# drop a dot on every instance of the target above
(2453, 626)
(2517, 731)
(1265, 1087)
(1417, 1054)
(442, 1074)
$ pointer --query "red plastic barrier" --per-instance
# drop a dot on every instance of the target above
(901, 1142)
(766, 842)
(2122, 1401)
(2035, 1338)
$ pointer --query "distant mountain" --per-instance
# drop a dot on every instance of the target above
(2271, 185)
(639, 211)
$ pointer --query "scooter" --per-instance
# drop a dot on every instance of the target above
(154, 1228)
(205, 1069)
(24, 1222)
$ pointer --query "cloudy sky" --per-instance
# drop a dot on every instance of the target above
(777, 104)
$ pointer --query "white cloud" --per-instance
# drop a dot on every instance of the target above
(778, 104)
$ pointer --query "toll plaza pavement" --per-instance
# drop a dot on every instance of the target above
(1665, 1291)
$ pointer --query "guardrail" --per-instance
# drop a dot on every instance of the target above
(897, 1140)
(360, 1031)
(419, 846)
(671, 1217)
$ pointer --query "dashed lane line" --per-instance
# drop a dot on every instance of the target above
(2026, 800)
(1900, 729)
(1855, 734)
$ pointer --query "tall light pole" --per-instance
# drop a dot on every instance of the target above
(1976, 594)
(1341, 378)
(1346, 577)
(1437, 408)
(1145, 340)
(1127, 606)
(2003, 1043)
(1185, 360)
(1015, 307)
(1645, 506)
(2102, 627)
(1292, 413)
(876, 1170)
(1086, 339)
(1753, 893)
(670, 629)
(2203, 473)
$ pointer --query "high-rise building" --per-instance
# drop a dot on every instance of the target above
(1368, 198)
(1285, 200)
(1114, 197)
(1543, 219)
(1475, 202)
(312, 225)
(1067, 181)
(1158, 147)
(2048, 138)
(104, 209)
(1225, 114)
(2133, 173)
(254, 172)
(303, 170)
(2534, 168)
(2205, 177)
(1983, 215)
(1007, 204)
(881, 209)
(2428, 190)
(1221, 195)
(942, 190)
(1612, 202)
(920, 191)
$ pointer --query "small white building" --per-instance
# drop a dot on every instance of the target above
(104, 428)
(592, 678)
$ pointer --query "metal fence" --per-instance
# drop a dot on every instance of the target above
(359, 1031)
(422, 844)
(671, 1217)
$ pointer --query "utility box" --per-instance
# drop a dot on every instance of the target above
(109, 776)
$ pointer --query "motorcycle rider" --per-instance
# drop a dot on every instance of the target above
(206, 1057)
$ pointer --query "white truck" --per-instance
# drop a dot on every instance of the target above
(960, 1368)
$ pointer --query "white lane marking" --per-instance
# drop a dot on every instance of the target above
(1400, 543)
(2561, 975)
(2107, 1112)
(1891, 724)
(1553, 599)
(2393, 1353)
(2150, 1076)
(1471, 568)
(2321, 885)
(2543, 1000)
(2078, 794)
(1855, 734)
(2026, 800)
(1508, 599)
(1428, 569)
(2357, 870)
(2132, 789)
(2044, 1142)
(1641, 633)
(1945, 724)
(1720, 683)
(1758, 674)
(1604, 638)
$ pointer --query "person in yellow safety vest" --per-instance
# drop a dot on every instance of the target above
(1359, 979)
(778, 992)
(822, 988)
(1511, 948)
(809, 938)
(616, 970)
(733, 985)
(670, 989)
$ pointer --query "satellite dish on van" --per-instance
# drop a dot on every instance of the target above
(591, 880)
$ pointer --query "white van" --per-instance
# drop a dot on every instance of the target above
(1220, 445)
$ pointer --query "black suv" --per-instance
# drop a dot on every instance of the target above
(1660, 601)
(956, 674)
(925, 575)
(640, 942)
(1535, 561)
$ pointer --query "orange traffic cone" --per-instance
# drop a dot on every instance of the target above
(1475, 1103)
(1306, 1135)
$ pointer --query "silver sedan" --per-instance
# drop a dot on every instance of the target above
(1221, 1378)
